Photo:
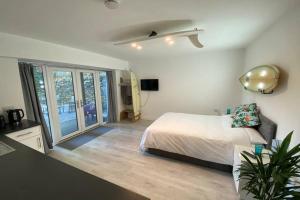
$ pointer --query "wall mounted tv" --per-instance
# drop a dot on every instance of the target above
(149, 84)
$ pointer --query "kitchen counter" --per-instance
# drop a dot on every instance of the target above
(24, 125)
(26, 174)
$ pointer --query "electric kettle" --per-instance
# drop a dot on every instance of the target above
(15, 116)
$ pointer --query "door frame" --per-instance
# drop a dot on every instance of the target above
(52, 102)
(97, 96)
(56, 133)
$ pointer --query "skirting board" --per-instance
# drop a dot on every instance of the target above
(188, 159)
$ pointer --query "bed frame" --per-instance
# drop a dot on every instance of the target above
(267, 129)
(191, 160)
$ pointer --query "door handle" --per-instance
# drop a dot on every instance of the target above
(21, 135)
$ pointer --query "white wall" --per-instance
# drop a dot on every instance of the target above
(22, 47)
(14, 47)
(192, 84)
(11, 94)
(279, 45)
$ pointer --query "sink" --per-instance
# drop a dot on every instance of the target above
(5, 149)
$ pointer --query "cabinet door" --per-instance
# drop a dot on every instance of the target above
(25, 134)
(35, 143)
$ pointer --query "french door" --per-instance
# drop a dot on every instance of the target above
(75, 101)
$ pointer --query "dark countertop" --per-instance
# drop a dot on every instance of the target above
(24, 125)
(26, 174)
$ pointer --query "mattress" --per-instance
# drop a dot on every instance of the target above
(205, 137)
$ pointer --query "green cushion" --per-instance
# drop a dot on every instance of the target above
(246, 108)
(246, 119)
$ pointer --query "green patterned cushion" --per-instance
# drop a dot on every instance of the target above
(246, 119)
(245, 108)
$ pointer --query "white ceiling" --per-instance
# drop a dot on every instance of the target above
(87, 24)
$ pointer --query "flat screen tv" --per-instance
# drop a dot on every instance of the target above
(149, 84)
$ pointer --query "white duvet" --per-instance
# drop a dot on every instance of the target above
(205, 137)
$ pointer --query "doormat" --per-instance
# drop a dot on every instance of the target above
(84, 138)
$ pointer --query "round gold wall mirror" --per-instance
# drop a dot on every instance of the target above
(261, 79)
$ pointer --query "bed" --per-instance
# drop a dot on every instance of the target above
(208, 139)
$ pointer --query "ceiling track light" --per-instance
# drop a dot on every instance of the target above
(192, 35)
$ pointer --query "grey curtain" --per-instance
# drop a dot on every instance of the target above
(33, 108)
(112, 113)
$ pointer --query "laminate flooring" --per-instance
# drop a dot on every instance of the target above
(115, 156)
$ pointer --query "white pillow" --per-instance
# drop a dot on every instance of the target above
(255, 136)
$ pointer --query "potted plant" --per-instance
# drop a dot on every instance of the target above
(274, 180)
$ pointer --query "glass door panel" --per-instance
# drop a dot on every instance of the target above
(65, 101)
(104, 94)
(88, 101)
(75, 101)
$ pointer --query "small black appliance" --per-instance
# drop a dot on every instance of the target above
(15, 116)
(2, 122)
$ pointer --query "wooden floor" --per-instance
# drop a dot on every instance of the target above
(115, 156)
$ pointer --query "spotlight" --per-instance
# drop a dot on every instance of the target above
(167, 39)
(171, 42)
(134, 45)
(263, 73)
(261, 86)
